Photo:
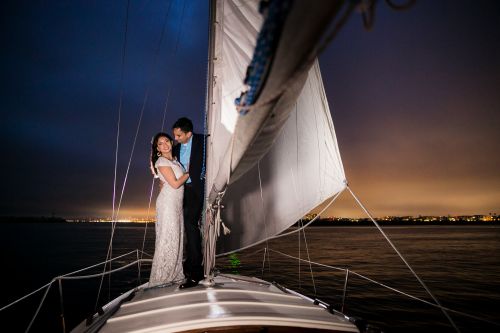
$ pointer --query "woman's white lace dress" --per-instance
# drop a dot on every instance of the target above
(167, 260)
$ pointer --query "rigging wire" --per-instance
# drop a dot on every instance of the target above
(114, 222)
(309, 260)
(47, 286)
(146, 96)
(165, 111)
(390, 288)
(65, 277)
(120, 106)
(165, 108)
(118, 125)
(403, 259)
(162, 126)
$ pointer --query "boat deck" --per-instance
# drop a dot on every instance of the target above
(232, 304)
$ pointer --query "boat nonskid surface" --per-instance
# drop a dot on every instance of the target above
(230, 304)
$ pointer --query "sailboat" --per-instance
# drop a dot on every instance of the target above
(271, 157)
(262, 56)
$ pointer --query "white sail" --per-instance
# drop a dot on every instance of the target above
(236, 25)
(279, 161)
(302, 169)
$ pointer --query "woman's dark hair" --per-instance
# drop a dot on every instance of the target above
(154, 151)
(185, 124)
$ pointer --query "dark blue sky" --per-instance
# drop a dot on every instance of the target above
(415, 103)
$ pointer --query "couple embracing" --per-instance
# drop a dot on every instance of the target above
(178, 206)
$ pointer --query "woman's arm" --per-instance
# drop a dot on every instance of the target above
(169, 176)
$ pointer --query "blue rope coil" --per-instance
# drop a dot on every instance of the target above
(267, 41)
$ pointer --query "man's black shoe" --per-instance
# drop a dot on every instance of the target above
(188, 284)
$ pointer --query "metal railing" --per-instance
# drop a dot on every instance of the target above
(348, 273)
(72, 276)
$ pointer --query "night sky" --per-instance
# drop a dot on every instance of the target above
(415, 103)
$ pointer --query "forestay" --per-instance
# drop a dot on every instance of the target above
(281, 159)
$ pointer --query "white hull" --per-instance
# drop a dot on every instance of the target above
(233, 303)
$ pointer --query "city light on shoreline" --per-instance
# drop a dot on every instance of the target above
(390, 219)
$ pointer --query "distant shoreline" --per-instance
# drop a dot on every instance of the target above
(31, 219)
(318, 223)
(328, 223)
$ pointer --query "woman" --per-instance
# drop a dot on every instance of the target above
(167, 261)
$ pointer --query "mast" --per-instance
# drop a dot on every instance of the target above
(208, 237)
(209, 92)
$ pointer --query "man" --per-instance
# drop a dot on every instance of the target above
(189, 152)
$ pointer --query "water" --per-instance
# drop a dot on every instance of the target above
(460, 265)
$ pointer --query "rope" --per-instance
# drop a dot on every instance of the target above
(213, 223)
(390, 288)
(212, 232)
(404, 260)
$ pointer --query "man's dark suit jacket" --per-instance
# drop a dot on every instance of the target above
(192, 209)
